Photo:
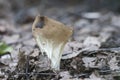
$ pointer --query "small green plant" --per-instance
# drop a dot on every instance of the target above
(4, 48)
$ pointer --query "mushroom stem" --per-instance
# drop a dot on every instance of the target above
(55, 59)
(54, 52)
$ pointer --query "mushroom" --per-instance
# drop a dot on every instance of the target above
(51, 37)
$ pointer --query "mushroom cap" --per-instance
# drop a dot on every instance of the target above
(51, 29)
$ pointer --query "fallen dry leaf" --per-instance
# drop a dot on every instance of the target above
(91, 43)
(89, 62)
(72, 49)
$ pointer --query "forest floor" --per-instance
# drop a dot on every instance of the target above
(92, 54)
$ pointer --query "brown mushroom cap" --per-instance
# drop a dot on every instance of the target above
(51, 29)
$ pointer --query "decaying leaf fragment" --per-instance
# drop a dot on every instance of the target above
(51, 36)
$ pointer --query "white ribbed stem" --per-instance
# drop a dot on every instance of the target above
(53, 51)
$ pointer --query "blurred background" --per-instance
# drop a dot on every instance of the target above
(23, 11)
(98, 18)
